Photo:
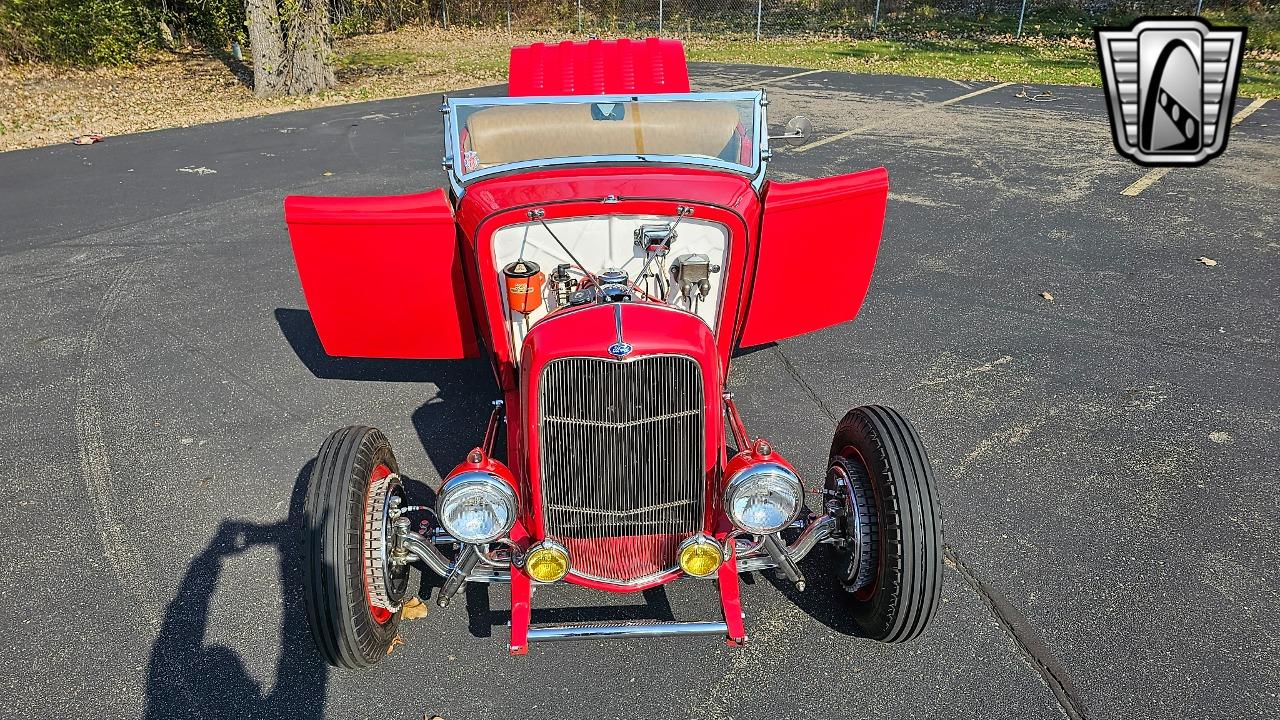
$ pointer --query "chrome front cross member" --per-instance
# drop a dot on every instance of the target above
(755, 555)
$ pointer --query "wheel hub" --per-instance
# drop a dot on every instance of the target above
(386, 581)
(850, 488)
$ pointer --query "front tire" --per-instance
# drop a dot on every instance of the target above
(894, 579)
(352, 595)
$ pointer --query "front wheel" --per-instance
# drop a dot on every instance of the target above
(351, 592)
(890, 549)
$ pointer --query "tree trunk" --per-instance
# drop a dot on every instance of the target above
(266, 41)
(310, 43)
(290, 50)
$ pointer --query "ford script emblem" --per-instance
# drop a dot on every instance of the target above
(620, 349)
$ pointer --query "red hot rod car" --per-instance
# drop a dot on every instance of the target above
(608, 239)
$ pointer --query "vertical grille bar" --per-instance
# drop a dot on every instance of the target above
(623, 470)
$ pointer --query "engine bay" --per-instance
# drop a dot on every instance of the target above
(547, 265)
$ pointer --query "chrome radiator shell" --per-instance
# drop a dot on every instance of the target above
(622, 462)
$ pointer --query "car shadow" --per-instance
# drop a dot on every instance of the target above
(744, 352)
(823, 599)
(448, 424)
(482, 619)
(188, 677)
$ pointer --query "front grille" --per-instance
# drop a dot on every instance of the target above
(623, 474)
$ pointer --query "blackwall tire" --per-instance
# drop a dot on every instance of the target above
(348, 629)
(899, 599)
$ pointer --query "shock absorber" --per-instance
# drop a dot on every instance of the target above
(468, 557)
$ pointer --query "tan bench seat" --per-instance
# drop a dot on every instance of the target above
(513, 133)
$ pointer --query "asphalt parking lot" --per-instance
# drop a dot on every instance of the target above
(1107, 458)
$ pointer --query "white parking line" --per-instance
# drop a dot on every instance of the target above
(757, 83)
(896, 118)
(1150, 178)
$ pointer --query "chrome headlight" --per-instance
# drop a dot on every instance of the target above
(476, 507)
(763, 498)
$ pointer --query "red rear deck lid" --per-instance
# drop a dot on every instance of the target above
(599, 67)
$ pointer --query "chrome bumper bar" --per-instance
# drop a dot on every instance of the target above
(563, 633)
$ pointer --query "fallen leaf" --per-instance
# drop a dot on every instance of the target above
(413, 609)
(1047, 296)
(1219, 437)
(1206, 261)
(326, 173)
(397, 640)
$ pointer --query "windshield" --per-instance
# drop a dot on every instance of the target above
(493, 134)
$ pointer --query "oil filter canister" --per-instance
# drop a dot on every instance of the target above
(524, 285)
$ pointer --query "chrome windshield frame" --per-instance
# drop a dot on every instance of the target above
(459, 180)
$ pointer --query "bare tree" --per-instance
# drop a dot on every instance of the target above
(291, 43)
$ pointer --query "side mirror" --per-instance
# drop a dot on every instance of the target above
(797, 130)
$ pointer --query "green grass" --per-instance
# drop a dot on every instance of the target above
(1261, 78)
(1032, 61)
(1056, 47)
(1064, 22)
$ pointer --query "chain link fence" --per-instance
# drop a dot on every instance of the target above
(769, 18)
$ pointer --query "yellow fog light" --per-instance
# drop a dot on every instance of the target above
(700, 556)
(547, 562)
